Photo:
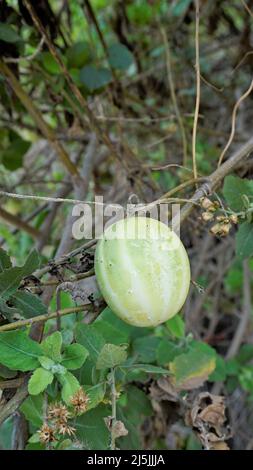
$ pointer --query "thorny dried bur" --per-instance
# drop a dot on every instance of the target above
(64, 428)
(58, 411)
(80, 401)
(46, 434)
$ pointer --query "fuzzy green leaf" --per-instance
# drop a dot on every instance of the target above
(52, 345)
(39, 381)
(111, 356)
(74, 356)
(46, 362)
(70, 386)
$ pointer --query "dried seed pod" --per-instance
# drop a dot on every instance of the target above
(207, 216)
(234, 219)
(221, 229)
(206, 203)
(225, 228)
(221, 218)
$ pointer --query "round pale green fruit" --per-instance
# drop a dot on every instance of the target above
(142, 270)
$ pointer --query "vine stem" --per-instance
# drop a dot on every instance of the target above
(114, 412)
(45, 317)
(232, 133)
(197, 104)
(173, 96)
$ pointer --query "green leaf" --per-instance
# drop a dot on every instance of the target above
(29, 304)
(6, 373)
(79, 54)
(52, 345)
(244, 241)
(95, 78)
(234, 189)
(6, 434)
(8, 34)
(133, 413)
(145, 348)
(70, 386)
(245, 353)
(9, 313)
(111, 356)
(220, 372)
(180, 7)
(92, 430)
(18, 351)
(91, 339)
(167, 351)
(50, 64)
(148, 368)
(246, 378)
(12, 157)
(234, 279)
(11, 278)
(74, 356)
(95, 393)
(46, 362)
(5, 261)
(39, 381)
(232, 367)
(120, 57)
(176, 326)
(191, 369)
(33, 409)
(34, 438)
(35, 446)
(112, 329)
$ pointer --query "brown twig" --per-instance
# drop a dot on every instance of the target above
(247, 8)
(19, 223)
(37, 116)
(75, 90)
(13, 383)
(14, 403)
(43, 318)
